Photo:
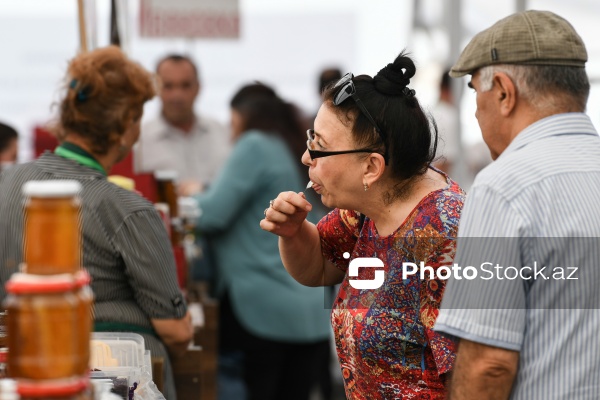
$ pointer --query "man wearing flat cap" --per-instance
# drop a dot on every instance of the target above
(527, 315)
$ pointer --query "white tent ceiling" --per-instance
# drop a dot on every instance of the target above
(283, 43)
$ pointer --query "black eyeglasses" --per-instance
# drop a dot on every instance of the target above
(347, 89)
(318, 154)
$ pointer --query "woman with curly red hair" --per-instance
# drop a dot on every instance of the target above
(125, 246)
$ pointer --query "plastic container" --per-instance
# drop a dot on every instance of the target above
(44, 333)
(118, 349)
(120, 356)
(52, 229)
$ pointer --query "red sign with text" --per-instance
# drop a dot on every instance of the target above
(190, 19)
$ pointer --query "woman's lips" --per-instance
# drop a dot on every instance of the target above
(314, 185)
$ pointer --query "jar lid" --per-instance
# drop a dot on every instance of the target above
(165, 175)
(49, 388)
(3, 356)
(20, 283)
(52, 188)
(82, 278)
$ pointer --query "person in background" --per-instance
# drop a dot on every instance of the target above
(327, 76)
(533, 335)
(125, 246)
(277, 325)
(8, 146)
(446, 117)
(195, 146)
(369, 157)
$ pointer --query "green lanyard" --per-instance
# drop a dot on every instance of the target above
(76, 153)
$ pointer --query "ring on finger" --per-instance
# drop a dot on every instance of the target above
(265, 212)
(271, 202)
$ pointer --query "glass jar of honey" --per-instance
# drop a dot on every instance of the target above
(52, 229)
(43, 328)
(166, 189)
(167, 194)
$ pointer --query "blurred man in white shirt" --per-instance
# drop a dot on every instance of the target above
(193, 145)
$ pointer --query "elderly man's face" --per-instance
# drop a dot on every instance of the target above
(487, 115)
(179, 88)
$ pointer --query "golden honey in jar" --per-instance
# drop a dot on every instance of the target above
(85, 299)
(43, 327)
(52, 229)
(166, 189)
(167, 194)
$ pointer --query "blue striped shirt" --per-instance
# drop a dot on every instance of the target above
(540, 201)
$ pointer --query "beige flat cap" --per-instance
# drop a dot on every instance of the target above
(529, 37)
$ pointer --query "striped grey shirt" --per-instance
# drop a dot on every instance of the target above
(543, 192)
(126, 249)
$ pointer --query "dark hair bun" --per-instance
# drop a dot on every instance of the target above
(394, 78)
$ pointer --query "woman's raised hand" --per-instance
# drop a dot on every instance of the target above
(286, 214)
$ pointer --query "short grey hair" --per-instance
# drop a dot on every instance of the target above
(543, 86)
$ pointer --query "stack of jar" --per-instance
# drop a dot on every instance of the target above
(168, 195)
(49, 302)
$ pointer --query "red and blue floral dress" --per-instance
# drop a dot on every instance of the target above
(384, 337)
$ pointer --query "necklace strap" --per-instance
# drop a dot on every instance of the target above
(76, 153)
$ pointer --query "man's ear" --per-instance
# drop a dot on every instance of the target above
(373, 168)
(506, 93)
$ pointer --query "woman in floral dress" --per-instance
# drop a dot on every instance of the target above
(369, 158)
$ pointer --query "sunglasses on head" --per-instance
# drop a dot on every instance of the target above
(346, 90)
